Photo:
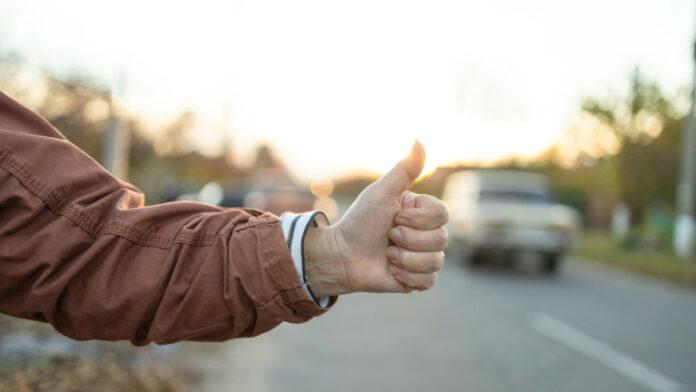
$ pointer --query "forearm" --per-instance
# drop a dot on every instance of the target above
(220, 274)
(79, 250)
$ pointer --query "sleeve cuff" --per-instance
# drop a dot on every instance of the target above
(295, 228)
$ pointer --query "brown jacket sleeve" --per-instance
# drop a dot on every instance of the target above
(79, 250)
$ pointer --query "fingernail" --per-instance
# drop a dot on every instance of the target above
(416, 145)
(396, 235)
(409, 196)
(399, 220)
(392, 252)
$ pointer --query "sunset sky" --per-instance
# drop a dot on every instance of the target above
(337, 86)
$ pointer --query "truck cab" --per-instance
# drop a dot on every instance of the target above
(500, 212)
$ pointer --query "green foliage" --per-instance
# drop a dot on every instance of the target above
(641, 169)
(648, 128)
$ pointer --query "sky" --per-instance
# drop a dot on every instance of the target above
(340, 86)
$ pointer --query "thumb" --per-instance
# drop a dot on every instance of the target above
(402, 176)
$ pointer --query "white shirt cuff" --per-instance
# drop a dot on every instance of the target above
(295, 228)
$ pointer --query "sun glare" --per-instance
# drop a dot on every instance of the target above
(340, 87)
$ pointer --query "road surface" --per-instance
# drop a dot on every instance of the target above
(588, 329)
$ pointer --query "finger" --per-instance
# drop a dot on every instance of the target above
(409, 199)
(428, 213)
(416, 261)
(404, 288)
(418, 281)
(401, 176)
(419, 240)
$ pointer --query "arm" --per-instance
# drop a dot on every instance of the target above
(79, 250)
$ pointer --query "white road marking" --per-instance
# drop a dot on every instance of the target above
(572, 338)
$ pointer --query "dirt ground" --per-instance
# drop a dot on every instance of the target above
(33, 357)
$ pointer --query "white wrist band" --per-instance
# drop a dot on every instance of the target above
(295, 228)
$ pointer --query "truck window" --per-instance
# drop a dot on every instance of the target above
(514, 196)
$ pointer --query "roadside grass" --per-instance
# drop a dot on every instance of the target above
(600, 247)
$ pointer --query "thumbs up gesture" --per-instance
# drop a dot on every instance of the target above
(389, 240)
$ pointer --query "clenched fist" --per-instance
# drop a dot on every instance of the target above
(389, 240)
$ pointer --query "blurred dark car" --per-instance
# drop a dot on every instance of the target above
(276, 198)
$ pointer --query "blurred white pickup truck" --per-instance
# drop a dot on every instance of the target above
(505, 213)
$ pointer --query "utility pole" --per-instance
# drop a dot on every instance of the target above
(685, 224)
(117, 137)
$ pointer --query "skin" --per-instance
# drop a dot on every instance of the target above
(389, 241)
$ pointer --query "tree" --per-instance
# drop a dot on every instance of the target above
(647, 126)
(79, 107)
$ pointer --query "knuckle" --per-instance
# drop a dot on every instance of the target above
(396, 258)
(406, 234)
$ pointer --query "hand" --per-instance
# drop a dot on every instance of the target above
(389, 240)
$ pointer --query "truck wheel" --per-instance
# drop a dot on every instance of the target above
(550, 263)
(477, 258)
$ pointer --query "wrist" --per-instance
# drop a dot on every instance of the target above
(323, 262)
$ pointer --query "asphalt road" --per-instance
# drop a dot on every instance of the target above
(588, 329)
